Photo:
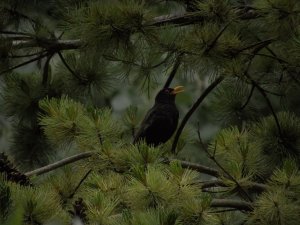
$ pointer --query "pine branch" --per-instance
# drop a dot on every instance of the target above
(230, 203)
(193, 109)
(46, 70)
(15, 33)
(193, 18)
(197, 167)
(24, 63)
(172, 19)
(213, 42)
(249, 98)
(68, 67)
(59, 164)
(185, 164)
(252, 186)
(49, 44)
(81, 181)
(174, 70)
(261, 90)
(268, 101)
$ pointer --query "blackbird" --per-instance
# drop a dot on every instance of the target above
(161, 120)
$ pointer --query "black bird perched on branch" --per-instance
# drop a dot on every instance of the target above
(161, 120)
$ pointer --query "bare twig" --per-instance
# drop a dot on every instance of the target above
(193, 109)
(262, 91)
(59, 164)
(81, 181)
(24, 63)
(68, 67)
(49, 44)
(197, 167)
(46, 70)
(230, 203)
(249, 98)
(174, 70)
(213, 43)
(194, 17)
(15, 33)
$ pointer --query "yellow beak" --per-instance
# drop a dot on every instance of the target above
(177, 90)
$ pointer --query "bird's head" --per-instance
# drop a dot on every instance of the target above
(167, 95)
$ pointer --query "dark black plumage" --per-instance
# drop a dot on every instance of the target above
(161, 120)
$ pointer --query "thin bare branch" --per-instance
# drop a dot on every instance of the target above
(49, 44)
(193, 109)
(24, 63)
(46, 70)
(268, 101)
(231, 203)
(68, 67)
(174, 70)
(197, 167)
(15, 33)
(213, 43)
(59, 164)
(249, 98)
(81, 181)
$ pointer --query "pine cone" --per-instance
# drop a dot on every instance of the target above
(11, 173)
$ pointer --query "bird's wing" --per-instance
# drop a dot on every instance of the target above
(154, 119)
(147, 122)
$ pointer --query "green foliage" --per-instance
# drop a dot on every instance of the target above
(275, 207)
(216, 10)
(86, 79)
(112, 23)
(21, 95)
(64, 183)
(278, 146)
(100, 130)
(5, 200)
(101, 208)
(124, 47)
(287, 177)
(131, 121)
(30, 147)
(153, 189)
(206, 40)
(141, 155)
(155, 217)
(186, 181)
(229, 103)
(280, 203)
(35, 204)
(237, 154)
(281, 16)
(110, 183)
(66, 121)
(61, 119)
(16, 217)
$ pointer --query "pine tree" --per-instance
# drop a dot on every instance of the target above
(77, 77)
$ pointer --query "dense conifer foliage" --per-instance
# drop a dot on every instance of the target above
(77, 77)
